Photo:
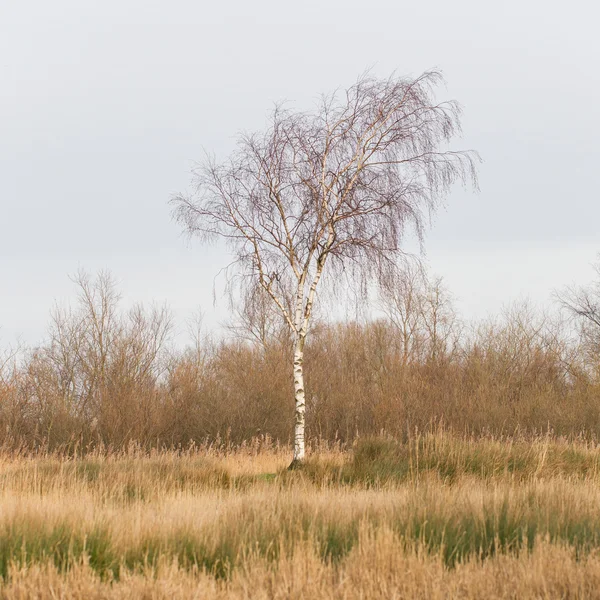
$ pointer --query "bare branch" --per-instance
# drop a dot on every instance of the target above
(335, 187)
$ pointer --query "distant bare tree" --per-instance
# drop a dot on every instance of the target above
(583, 304)
(94, 346)
(257, 319)
(441, 322)
(401, 293)
(335, 187)
(421, 311)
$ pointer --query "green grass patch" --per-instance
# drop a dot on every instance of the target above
(25, 543)
(381, 461)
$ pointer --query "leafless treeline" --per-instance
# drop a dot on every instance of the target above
(108, 376)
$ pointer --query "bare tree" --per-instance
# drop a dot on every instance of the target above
(334, 187)
(94, 346)
(441, 322)
(257, 319)
(421, 310)
(401, 293)
(583, 304)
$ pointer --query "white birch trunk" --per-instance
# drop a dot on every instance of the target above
(300, 402)
(303, 313)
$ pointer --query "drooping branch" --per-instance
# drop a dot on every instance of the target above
(343, 182)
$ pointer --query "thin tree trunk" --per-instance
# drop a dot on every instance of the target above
(300, 403)
(301, 327)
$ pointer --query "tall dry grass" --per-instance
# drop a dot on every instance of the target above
(433, 516)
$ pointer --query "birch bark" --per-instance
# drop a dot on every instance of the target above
(300, 402)
(301, 327)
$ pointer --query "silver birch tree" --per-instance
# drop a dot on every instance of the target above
(329, 190)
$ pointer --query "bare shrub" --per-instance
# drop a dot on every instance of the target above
(106, 377)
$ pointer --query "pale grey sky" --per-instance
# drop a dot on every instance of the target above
(104, 106)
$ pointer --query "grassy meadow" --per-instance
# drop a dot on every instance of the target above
(433, 516)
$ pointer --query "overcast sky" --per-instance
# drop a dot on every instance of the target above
(105, 104)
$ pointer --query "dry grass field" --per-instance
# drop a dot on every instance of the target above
(436, 516)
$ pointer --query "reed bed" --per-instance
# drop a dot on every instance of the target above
(432, 516)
